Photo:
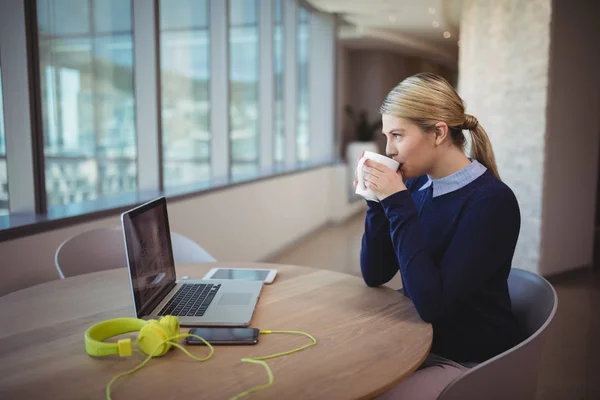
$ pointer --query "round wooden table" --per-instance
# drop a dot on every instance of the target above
(369, 339)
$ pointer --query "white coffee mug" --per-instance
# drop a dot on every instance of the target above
(361, 189)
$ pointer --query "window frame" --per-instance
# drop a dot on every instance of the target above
(30, 213)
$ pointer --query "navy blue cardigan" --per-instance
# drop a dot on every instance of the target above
(454, 253)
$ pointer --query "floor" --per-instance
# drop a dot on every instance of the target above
(571, 362)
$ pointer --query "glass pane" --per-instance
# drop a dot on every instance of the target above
(185, 101)
(88, 110)
(183, 14)
(115, 110)
(242, 12)
(3, 172)
(279, 130)
(304, 15)
(302, 133)
(64, 17)
(278, 11)
(67, 96)
(112, 16)
(243, 83)
(241, 171)
(3, 187)
(116, 177)
(2, 134)
(71, 180)
(185, 172)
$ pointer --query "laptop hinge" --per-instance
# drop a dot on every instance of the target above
(157, 299)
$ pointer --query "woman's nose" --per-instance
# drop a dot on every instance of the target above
(390, 151)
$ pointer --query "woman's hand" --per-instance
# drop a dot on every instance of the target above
(383, 180)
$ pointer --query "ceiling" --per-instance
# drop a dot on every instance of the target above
(403, 26)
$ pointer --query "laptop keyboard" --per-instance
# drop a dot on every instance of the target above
(191, 300)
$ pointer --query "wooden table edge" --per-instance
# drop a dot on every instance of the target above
(397, 381)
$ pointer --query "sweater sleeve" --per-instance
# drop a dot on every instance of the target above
(483, 243)
(378, 261)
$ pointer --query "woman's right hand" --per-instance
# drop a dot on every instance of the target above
(355, 182)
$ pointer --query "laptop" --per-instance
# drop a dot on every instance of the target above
(154, 285)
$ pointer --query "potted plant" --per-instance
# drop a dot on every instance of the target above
(365, 130)
(364, 133)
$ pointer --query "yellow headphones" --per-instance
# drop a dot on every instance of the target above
(153, 338)
(156, 338)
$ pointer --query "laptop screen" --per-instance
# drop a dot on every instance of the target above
(149, 251)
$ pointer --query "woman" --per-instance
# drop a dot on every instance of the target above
(449, 224)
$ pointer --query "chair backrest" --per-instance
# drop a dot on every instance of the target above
(513, 374)
(185, 250)
(104, 248)
(91, 251)
(533, 299)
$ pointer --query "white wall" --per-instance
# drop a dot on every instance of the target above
(572, 137)
(250, 222)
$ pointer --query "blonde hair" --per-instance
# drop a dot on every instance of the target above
(427, 99)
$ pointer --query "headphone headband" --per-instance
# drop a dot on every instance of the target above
(95, 336)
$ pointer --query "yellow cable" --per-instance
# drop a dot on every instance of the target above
(131, 371)
(260, 360)
(259, 387)
(253, 360)
(285, 353)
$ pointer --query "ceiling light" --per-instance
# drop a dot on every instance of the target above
(435, 24)
(392, 18)
(447, 35)
(431, 10)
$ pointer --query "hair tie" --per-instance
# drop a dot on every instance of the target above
(470, 122)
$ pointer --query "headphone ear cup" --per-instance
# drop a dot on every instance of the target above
(150, 338)
(170, 324)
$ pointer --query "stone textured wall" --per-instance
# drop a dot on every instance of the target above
(503, 78)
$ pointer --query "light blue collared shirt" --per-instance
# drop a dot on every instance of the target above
(457, 180)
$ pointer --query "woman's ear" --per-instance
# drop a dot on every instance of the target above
(441, 133)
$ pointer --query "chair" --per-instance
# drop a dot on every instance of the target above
(513, 374)
(104, 248)
(185, 250)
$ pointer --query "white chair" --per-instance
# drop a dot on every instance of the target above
(185, 250)
(104, 248)
(513, 374)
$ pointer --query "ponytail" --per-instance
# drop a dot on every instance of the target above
(426, 99)
(481, 147)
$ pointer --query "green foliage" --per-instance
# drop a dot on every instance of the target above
(364, 130)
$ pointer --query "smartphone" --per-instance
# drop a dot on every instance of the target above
(222, 335)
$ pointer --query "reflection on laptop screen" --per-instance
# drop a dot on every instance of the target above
(148, 249)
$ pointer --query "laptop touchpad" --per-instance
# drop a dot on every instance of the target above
(235, 299)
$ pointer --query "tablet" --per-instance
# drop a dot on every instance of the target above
(244, 274)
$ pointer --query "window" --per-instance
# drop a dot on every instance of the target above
(243, 88)
(86, 68)
(279, 122)
(302, 134)
(185, 74)
(3, 174)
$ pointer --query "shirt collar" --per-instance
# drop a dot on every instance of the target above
(457, 180)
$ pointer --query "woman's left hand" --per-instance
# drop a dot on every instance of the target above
(383, 180)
